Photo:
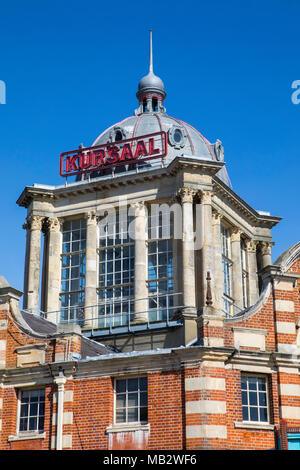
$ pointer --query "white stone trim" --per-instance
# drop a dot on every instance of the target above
(292, 390)
(285, 327)
(206, 406)
(26, 436)
(284, 305)
(290, 412)
(204, 383)
(67, 418)
(209, 431)
(262, 426)
(128, 427)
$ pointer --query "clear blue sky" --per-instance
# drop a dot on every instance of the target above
(71, 69)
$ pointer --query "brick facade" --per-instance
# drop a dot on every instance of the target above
(194, 393)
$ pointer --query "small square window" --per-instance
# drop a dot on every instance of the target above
(255, 406)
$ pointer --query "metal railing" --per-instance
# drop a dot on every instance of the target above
(116, 314)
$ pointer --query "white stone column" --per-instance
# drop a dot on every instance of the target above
(207, 249)
(91, 281)
(53, 267)
(60, 382)
(140, 265)
(265, 252)
(32, 262)
(188, 250)
(217, 275)
(252, 270)
(237, 286)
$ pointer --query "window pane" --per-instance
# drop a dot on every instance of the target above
(263, 414)
(132, 399)
(253, 414)
(121, 386)
(245, 414)
(132, 384)
(121, 416)
(253, 398)
(133, 414)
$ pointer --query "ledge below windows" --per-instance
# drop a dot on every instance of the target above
(128, 427)
(261, 426)
(27, 436)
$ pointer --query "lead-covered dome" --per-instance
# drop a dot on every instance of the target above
(151, 118)
(183, 139)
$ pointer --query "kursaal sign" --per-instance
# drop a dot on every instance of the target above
(112, 154)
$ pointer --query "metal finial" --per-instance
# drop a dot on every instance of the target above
(151, 54)
(208, 292)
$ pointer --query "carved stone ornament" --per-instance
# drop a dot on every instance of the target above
(265, 247)
(91, 218)
(34, 222)
(251, 246)
(236, 234)
(186, 194)
(219, 150)
(206, 197)
(54, 224)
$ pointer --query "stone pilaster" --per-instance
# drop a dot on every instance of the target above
(265, 253)
(207, 248)
(218, 276)
(53, 267)
(140, 265)
(188, 250)
(252, 270)
(91, 280)
(237, 286)
(33, 228)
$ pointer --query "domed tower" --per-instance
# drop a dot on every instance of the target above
(151, 117)
(149, 238)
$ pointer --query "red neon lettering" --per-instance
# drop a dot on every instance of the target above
(140, 149)
(85, 160)
(126, 153)
(71, 163)
(113, 155)
(98, 157)
(152, 150)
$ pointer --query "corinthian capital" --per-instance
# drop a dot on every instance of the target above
(265, 247)
(251, 245)
(206, 196)
(186, 194)
(34, 222)
(54, 224)
(91, 218)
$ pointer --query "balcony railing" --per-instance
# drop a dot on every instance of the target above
(112, 316)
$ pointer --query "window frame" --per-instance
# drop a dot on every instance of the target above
(121, 240)
(258, 407)
(227, 264)
(129, 423)
(73, 311)
(37, 431)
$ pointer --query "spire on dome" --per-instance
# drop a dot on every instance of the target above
(151, 91)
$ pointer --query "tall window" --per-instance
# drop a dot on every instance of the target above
(131, 402)
(160, 265)
(73, 269)
(244, 273)
(32, 410)
(255, 398)
(116, 270)
(227, 269)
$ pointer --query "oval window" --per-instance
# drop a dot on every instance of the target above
(177, 136)
(118, 136)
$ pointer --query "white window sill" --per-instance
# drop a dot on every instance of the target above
(128, 427)
(27, 436)
(248, 425)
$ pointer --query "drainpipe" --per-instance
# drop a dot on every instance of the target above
(60, 382)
